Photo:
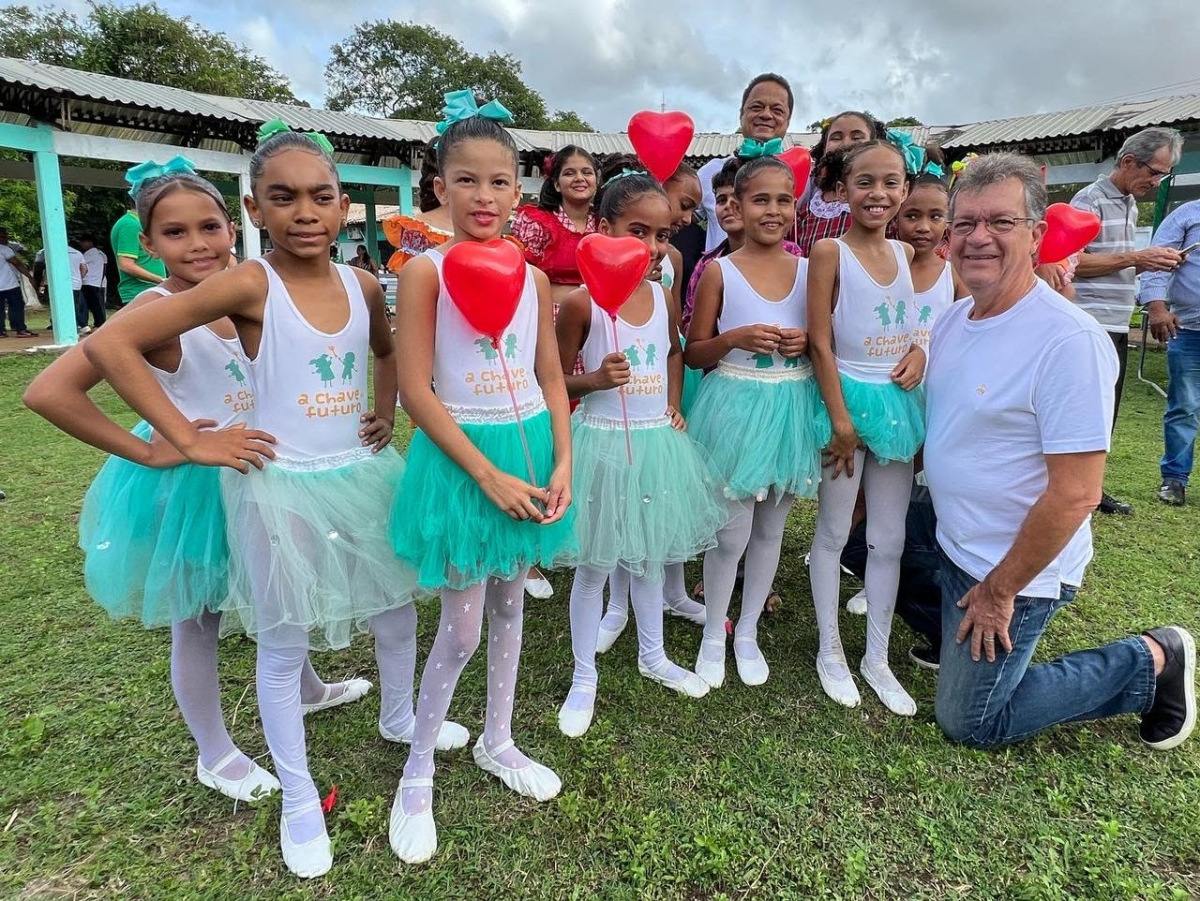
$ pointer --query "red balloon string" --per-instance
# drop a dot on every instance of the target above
(621, 394)
(512, 395)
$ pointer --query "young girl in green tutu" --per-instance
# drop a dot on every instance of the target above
(756, 413)
(467, 516)
(862, 317)
(653, 504)
(152, 527)
(307, 508)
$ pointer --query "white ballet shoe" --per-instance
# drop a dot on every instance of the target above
(690, 685)
(255, 785)
(574, 722)
(686, 608)
(751, 670)
(532, 780)
(309, 860)
(606, 638)
(413, 837)
(354, 689)
(451, 736)
(843, 690)
(889, 689)
(858, 604)
(711, 671)
(539, 588)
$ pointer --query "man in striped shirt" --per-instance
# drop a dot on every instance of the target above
(1105, 282)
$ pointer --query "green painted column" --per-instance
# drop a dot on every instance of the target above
(371, 226)
(405, 190)
(54, 239)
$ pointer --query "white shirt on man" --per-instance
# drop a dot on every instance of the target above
(75, 261)
(9, 276)
(1002, 392)
(96, 261)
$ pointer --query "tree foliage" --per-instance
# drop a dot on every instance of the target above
(401, 70)
(141, 42)
(905, 122)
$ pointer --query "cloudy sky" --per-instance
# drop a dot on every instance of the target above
(943, 62)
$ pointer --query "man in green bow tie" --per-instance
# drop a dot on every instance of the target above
(766, 113)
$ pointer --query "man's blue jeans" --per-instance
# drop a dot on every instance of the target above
(983, 704)
(1182, 418)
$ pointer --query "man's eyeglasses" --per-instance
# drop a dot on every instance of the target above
(1157, 173)
(999, 225)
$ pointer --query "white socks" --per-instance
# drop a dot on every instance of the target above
(457, 638)
(887, 489)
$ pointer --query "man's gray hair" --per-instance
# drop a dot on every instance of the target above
(994, 168)
(1149, 141)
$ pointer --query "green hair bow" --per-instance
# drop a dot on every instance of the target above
(143, 172)
(625, 173)
(914, 154)
(752, 149)
(461, 105)
(277, 126)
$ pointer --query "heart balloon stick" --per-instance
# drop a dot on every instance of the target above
(621, 394)
(512, 396)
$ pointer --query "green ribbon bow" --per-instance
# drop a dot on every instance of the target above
(461, 105)
(752, 149)
(143, 172)
(625, 173)
(935, 170)
(276, 126)
(914, 154)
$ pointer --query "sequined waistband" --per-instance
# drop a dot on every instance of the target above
(802, 370)
(461, 413)
(607, 423)
(316, 464)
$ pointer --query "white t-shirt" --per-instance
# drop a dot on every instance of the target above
(714, 234)
(96, 261)
(75, 261)
(1003, 392)
(9, 276)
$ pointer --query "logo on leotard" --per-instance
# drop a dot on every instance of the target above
(643, 355)
(484, 346)
(240, 400)
(331, 367)
(490, 379)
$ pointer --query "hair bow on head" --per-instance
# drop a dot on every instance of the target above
(914, 154)
(143, 172)
(461, 105)
(935, 170)
(752, 149)
(276, 126)
(625, 173)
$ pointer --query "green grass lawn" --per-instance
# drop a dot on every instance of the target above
(771, 792)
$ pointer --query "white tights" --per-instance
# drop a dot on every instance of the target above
(586, 606)
(282, 660)
(887, 489)
(755, 528)
(457, 638)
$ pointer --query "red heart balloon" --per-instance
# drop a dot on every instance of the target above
(1068, 231)
(799, 160)
(612, 268)
(661, 140)
(485, 280)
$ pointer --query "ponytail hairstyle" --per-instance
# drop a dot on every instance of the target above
(550, 198)
(474, 128)
(933, 172)
(751, 168)
(427, 200)
(624, 181)
(149, 183)
(843, 162)
(275, 137)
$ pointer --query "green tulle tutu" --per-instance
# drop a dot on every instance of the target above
(310, 546)
(444, 526)
(665, 508)
(154, 540)
(889, 420)
(760, 434)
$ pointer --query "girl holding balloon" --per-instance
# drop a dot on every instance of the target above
(644, 496)
(755, 413)
(487, 492)
(310, 562)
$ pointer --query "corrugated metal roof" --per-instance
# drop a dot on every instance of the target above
(1163, 111)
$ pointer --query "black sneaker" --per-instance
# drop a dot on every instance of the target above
(926, 656)
(1110, 505)
(1172, 716)
(1171, 492)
